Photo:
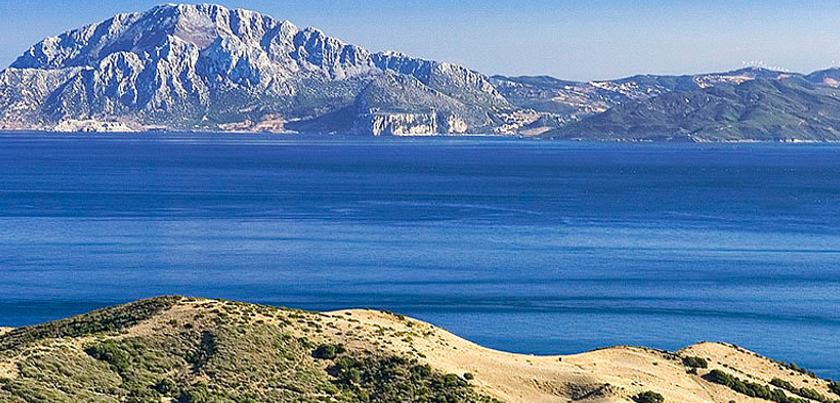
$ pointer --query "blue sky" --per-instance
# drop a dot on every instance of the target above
(579, 40)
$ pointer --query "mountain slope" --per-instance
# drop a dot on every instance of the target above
(575, 100)
(761, 110)
(192, 350)
(205, 67)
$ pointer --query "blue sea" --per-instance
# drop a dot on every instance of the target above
(525, 246)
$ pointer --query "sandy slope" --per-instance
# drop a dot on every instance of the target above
(611, 374)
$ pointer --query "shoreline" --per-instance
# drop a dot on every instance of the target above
(361, 137)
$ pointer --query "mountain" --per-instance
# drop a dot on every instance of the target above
(208, 68)
(569, 101)
(175, 349)
(204, 67)
(788, 109)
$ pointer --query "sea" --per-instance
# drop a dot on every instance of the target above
(526, 246)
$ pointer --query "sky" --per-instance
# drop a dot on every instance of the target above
(569, 39)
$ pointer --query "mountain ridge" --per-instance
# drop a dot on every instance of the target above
(208, 68)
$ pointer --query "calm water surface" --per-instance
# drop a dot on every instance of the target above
(534, 247)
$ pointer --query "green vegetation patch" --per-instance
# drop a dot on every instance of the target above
(69, 370)
(695, 362)
(753, 389)
(834, 387)
(105, 320)
(649, 397)
(328, 351)
(807, 393)
(210, 357)
(396, 379)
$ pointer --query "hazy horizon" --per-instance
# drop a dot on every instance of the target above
(573, 40)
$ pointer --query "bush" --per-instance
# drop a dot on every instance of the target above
(397, 379)
(166, 387)
(199, 394)
(649, 397)
(328, 351)
(695, 362)
(720, 377)
(834, 386)
(782, 384)
(753, 389)
(811, 394)
(804, 392)
(142, 396)
(468, 376)
(111, 353)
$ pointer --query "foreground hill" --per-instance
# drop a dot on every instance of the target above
(191, 350)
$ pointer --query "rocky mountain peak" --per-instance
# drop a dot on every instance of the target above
(206, 67)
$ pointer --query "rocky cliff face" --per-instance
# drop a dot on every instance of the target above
(205, 67)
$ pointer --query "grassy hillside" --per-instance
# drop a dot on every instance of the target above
(174, 349)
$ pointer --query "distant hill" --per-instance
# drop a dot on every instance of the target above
(174, 349)
(789, 109)
(570, 101)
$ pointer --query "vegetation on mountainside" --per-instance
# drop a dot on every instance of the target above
(396, 379)
(765, 392)
(105, 320)
(649, 397)
(761, 110)
(804, 392)
(834, 386)
(695, 362)
(218, 352)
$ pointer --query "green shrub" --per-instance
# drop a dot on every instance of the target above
(695, 362)
(720, 377)
(109, 352)
(811, 394)
(649, 397)
(421, 371)
(782, 384)
(752, 389)
(804, 392)
(328, 351)
(199, 394)
(166, 387)
(397, 379)
(834, 386)
(468, 376)
(143, 396)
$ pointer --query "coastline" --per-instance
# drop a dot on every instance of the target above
(467, 136)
